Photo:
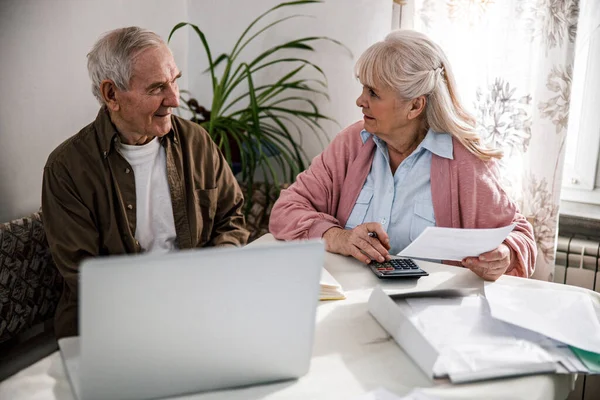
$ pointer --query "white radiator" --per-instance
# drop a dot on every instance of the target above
(577, 262)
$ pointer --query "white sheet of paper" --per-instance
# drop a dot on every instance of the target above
(383, 394)
(379, 394)
(455, 244)
(470, 342)
(328, 281)
(569, 317)
(567, 359)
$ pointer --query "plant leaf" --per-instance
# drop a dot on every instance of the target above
(204, 43)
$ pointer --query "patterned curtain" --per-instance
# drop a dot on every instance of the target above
(513, 60)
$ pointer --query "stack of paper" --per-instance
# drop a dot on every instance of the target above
(330, 288)
(518, 328)
(471, 344)
(570, 318)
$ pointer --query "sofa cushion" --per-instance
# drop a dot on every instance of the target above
(30, 284)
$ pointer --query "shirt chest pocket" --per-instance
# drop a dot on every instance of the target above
(359, 212)
(422, 217)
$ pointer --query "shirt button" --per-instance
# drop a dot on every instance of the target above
(383, 221)
(129, 206)
(127, 170)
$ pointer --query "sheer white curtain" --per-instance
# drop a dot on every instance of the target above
(513, 61)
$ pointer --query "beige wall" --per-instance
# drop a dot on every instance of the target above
(46, 95)
(45, 89)
(356, 23)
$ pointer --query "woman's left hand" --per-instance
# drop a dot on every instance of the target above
(491, 265)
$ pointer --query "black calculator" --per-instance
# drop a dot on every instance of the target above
(397, 268)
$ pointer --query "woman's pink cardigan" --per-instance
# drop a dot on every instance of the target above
(465, 191)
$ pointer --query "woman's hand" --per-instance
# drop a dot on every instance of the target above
(357, 242)
(491, 265)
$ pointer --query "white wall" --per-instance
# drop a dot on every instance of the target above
(355, 23)
(46, 90)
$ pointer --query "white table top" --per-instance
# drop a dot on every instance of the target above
(352, 354)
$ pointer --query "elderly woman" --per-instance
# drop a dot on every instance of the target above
(415, 160)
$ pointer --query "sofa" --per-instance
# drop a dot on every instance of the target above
(30, 286)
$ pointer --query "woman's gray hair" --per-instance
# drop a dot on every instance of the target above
(411, 64)
(113, 55)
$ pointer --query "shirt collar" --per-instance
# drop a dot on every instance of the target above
(108, 135)
(439, 144)
(364, 135)
(106, 130)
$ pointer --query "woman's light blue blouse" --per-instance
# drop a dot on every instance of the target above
(401, 202)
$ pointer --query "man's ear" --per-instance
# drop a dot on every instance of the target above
(417, 107)
(108, 90)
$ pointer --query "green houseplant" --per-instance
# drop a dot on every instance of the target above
(258, 125)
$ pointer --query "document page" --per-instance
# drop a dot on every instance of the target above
(455, 244)
(328, 281)
(570, 317)
(383, 394)
(471, 344)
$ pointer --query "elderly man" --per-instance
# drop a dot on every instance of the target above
(137, 178)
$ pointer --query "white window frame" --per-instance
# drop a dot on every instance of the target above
(580, 173)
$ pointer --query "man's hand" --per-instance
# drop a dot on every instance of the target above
(357, 242)
(491, 265)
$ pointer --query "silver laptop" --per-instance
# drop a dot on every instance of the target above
(162, 325)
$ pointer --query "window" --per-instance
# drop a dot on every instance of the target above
(581, 176)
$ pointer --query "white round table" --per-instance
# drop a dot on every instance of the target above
(352, 354)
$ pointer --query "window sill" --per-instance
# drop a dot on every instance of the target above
(580, 210)
(581, 196)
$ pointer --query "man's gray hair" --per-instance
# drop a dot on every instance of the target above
(113, 54)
